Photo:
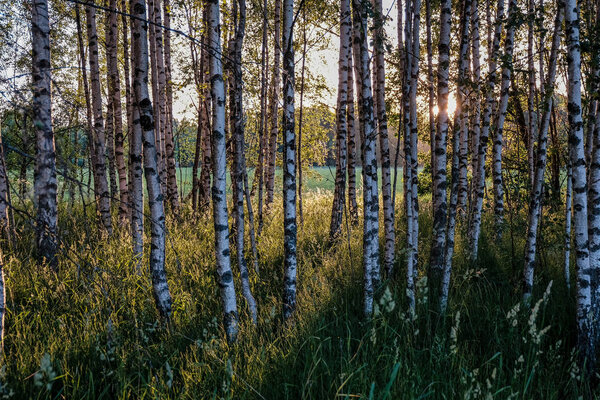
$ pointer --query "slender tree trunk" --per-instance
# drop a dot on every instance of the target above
(5, 224)
(134, 128)
(479, 175)
(289, 165)
(384, 147)
(300, 119)
(339, 194)
(45, 166)
(156, 94)
(440, 210)
(352, 128)
(577, 155)
(367, 126)
(568, 213)
(513, 10)
(144, 124)
(262, 130)
(205, 174)
(219, 189)
(114, 92)
(475, 101)
(172, 193)
(109, 42)
(239, 164)
(531, 125)
(272, 153)
(414, 133)
(431, 90)
(535, 206)
(458, 163)
(100, 182)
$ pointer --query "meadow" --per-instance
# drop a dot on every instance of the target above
(92, 331)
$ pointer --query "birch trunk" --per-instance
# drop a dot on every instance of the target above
(5, 224)
(114, 92)
(568, 214)
(414, 130)
(513, 10)
(458, 160)
(262, 130)
(136, 186)
(275, 87)
(479, 175)
(476, 102)
(110, 116)
(535, 206)
(100, 182)
(205, 174)
(144, 124)
(239, 164)
(367, 126)
(289, 164)
(384, 147)
(585, 340)
(430, 88)
(219, 161)
(339, 195)
(352, 128)
(172, 193)
(45, 165)
(440, 208)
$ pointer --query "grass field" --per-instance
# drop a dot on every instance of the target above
(91, 331)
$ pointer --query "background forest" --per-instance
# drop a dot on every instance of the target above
(279, 199)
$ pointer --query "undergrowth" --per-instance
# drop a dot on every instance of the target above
(91, 331)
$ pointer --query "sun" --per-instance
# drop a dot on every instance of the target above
(451, 106)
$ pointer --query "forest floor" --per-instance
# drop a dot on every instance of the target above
(91, 331)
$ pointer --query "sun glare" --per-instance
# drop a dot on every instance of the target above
(451, 106)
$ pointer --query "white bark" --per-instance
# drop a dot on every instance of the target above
(535, 206)
(219, 159)
(479, 174)
(367, 126)
(339, 195)
(384, 147)
(460, 127)
(441, 142)
(501, 116)
(145, 124)
(100, 182)
(580, 206)
(45, 165)
(289, 164)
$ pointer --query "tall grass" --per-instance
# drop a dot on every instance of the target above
(91, 331)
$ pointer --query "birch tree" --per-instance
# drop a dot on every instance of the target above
(479, 174)
(274, 106)
(289, 164)
(144, 125)
(339, 194)
(100, 182)
(535, 206)
(459, 133)
(114, 94)
(585, 337)
(384, 148)
(45, 166)
(501, 115)
(440, 208)
(367, 126)
(219, 163)
(239, 162)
